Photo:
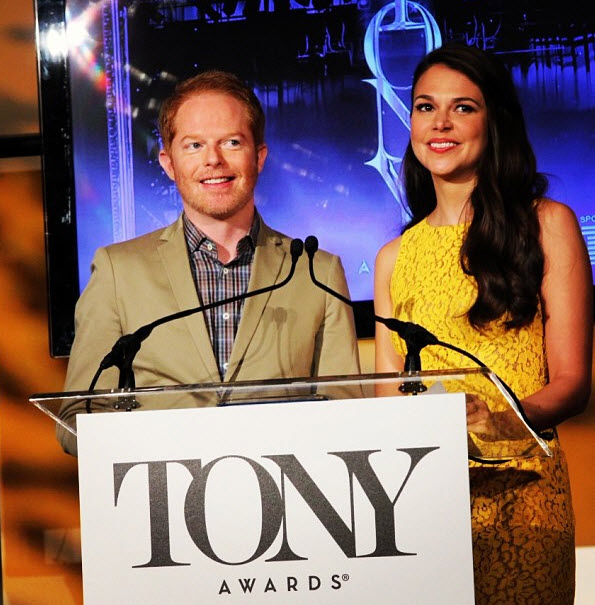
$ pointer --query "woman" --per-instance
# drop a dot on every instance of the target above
(490, 265)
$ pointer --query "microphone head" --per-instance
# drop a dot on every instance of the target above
(311, 245)
(296, 248)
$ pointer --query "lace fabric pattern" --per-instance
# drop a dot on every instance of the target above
(521, 510)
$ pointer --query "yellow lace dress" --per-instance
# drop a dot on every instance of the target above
(521, 511)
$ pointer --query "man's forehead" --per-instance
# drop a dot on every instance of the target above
(210, 104)
(212, 97)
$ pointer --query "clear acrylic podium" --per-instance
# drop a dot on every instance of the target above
(497, 429)
(340, 474)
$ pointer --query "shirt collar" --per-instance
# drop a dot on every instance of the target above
(197, 240)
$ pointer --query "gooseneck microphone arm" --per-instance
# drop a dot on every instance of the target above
(415, 336)
(127, 346)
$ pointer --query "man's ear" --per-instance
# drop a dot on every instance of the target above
(166, 164)
(261, 156)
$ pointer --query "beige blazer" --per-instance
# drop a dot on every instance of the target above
(295, 331)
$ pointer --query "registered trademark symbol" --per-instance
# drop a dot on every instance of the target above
(345, 577)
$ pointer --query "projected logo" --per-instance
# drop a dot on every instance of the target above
(398, 36)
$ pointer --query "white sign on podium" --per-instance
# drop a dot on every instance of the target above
(350, 502)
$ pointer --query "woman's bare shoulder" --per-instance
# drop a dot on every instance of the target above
(562, 242)
(387, 255)
(555, 215)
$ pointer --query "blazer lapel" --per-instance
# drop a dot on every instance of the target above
(174, 254)
(268, 260)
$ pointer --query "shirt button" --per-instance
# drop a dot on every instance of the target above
(209, 247)
(225, 365)
(225, 270)
(225, 315)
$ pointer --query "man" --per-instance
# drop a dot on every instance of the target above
(212, 130)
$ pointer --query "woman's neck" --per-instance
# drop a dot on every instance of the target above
(453, 203)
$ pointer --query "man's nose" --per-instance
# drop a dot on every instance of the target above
(213, 155)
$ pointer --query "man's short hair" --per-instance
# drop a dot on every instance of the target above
(211, 81)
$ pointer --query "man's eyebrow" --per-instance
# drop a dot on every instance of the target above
(231, 135)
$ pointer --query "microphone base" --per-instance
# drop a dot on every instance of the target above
(413, 388)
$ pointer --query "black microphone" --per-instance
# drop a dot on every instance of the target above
(126, 347)
(415, 336)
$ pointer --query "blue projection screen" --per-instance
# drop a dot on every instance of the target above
(334, 79)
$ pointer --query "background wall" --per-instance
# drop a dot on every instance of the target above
(38, 489)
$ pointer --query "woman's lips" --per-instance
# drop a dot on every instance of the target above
(442, 145)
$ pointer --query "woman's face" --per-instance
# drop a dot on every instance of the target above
(449, 129)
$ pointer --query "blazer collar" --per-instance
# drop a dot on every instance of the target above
(174, 255)
(269, 258)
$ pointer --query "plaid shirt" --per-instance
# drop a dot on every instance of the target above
(215, 281)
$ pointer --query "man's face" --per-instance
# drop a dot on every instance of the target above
(212, 157)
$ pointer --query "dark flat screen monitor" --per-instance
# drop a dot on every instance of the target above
(333, 77)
